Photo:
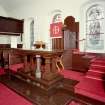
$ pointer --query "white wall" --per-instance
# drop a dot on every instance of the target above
(3, 11)
(4, 39)
(42, 10)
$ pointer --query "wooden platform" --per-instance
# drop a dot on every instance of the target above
(37, 95)
(62, 94)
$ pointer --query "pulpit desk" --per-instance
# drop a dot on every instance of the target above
(81, 61)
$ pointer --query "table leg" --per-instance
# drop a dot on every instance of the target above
(38, 70)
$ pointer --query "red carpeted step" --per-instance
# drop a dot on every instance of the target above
(100, 61)
(98, 70)
(8, 97)
(95, 74)
(70, 74)
(91, 88)
(98, 67)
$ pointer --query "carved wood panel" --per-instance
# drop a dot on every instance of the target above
(57, 43)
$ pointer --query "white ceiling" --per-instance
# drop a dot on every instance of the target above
(12, 4)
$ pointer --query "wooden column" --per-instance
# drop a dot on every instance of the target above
(38, 67)
(48, 75)
(26, 64)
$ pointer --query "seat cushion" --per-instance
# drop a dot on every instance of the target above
(15, 67)
(2, 71)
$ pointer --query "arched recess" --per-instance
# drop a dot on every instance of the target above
(56, 29)
(29, 36)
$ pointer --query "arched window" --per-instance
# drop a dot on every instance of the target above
(94, 28)
(57, 18)
(55, 29)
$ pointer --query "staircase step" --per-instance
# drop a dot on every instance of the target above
(100, 67)
(97, 75)
(91, 88)
(97, 70)
(98, 79)
(98, 61)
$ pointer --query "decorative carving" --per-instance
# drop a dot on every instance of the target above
(69, 23)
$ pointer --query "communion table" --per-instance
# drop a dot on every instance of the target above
(44, 75)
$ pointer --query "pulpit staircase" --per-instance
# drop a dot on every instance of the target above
(97, 69)
(93, 84)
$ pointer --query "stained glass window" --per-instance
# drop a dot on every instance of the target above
(94, 27)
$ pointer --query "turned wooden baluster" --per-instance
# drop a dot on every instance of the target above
(26, 64)
(38, 67)
(49, 73)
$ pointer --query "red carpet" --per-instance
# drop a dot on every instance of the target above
(94, 75)
(97, 69)
(70, 74)
(93, 85)
(8, 97)
(91, 88)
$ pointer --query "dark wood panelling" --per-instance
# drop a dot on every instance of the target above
(57, 43)
(81, 61)
(5, 46)
(19, 45)
(67, 59)
(9, 46)
(10, 26)
(77, 34)
(78, 63)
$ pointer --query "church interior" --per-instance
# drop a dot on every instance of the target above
(53, 55)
